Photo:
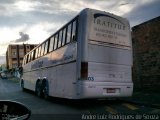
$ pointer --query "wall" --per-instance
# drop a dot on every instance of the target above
(146, 54)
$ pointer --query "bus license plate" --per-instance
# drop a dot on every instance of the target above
(111, 90)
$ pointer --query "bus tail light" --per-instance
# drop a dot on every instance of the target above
(84, 70)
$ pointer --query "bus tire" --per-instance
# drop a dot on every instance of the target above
(45, 89)
(38, 89)
(22, 85)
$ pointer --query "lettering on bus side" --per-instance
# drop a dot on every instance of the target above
(90, 78)
(37, 64)
(69, 57)
(64, 59)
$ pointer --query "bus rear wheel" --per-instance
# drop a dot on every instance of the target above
(38, 89)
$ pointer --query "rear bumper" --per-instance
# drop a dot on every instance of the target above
(99, 89)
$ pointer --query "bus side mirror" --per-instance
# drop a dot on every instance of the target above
(13, 110)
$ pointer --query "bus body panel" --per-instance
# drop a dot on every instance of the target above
(104, 44)
(107, 50)
(101, 72)
(29, 81)
(64, 83)
(58, 68)
(104, 54)
(99, 89)
(108, 28)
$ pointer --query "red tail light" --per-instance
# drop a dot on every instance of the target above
(84, 70)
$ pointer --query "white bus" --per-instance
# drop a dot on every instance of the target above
(89, 57)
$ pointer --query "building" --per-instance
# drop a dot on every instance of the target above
(146, 54)
(15, 54)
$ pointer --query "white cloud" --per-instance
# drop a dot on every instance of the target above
(6, 9)
(2, 59)
(25, 5)
(41, 31)
(76, 6)
(39, 18)
(118, 7)
(121, 7)
(17, 7)
(3, 50)
(37, 33)
(8, 34)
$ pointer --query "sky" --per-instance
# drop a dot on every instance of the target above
(32, 21)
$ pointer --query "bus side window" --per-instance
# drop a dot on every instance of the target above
(39, 51)
(24, 60)
(48, 45)
(29, 57)
(55, 41)
(46, 48)
(69, 33)
(60, 39)
(64, 37)
(74, 31)
(42, 49)
(51, 44)
(34, 55)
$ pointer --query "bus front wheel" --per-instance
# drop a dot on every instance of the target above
(22, 85)
(45, 89)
